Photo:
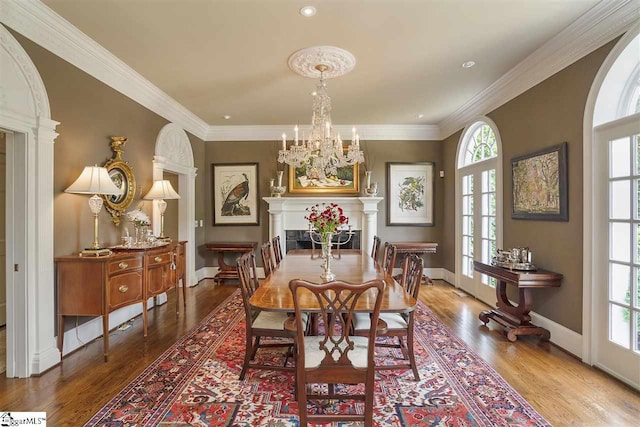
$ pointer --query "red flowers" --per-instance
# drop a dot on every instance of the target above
(326, 219)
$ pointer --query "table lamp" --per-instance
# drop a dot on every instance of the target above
(94, 180)
(159, 191)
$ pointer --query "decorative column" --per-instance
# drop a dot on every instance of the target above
(276, 220)
(369, 221)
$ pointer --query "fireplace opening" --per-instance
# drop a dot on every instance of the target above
(299, 239)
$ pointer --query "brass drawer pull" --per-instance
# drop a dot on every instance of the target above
(157, 259)
(123, 265)
(123, 288)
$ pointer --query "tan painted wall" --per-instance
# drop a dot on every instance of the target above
(547, 114)
(90, 112)
(377, 153)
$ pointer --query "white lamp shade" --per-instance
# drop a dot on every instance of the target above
(161, 190)
(94, 180)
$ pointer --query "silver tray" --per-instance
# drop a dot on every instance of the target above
(524, 266)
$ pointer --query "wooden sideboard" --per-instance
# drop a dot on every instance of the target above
(96, 286)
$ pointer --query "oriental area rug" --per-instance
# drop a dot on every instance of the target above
(195, 383)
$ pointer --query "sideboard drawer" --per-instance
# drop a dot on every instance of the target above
(126, 264)
(125, 289)
(158, 258)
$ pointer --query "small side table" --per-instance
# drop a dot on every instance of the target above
(229, 271)
(516, 319)
(418, 248)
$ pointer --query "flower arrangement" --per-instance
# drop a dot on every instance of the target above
(326, 218)
(138, 218)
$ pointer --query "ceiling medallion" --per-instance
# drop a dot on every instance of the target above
(336, 62)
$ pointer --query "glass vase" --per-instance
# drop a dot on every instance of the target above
(325, 244)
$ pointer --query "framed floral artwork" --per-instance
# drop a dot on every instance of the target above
(235, 194)
(539, 185)
(410, 194)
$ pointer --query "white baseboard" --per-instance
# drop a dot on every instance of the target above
(561, 336)
(75, 338)
(45, 359)
(614, 374)
(206, 273)
(448, 276)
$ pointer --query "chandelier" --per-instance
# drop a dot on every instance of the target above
(322, 148)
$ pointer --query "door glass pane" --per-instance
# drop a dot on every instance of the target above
(637, 146)
(620, 204)
(619, 281)
(637, 194)
(485, 227)
(636, 245)
(620, 241)
(492, 180)
(492, 228)
(619, 325)
(485, 204)
(636, 272)
(619, 151)
(492, 204)
(636, 334)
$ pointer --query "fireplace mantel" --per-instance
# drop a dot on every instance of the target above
(287, 213)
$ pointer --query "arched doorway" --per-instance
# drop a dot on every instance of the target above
(611, 308)
(173, 154)
(478, 205)
(26, 117)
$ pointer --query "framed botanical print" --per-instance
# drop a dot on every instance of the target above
(310, 179)
(235, 194)
(539, 185)
(410, 193)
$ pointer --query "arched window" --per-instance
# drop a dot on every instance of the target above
(478, 205)
(613, 190)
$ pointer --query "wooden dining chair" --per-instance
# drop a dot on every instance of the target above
(333, 356)
(399, 325)
(376, 248)
(277, 250)
(388, 258)
(259, 323)
(267, 258)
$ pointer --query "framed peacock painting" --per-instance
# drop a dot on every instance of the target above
(235, 194)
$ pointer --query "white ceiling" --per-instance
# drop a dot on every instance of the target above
(219, 57)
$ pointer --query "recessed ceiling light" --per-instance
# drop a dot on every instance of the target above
(468, 64)
(308, 11)
(314, 93)
(226, 117)
(419, 116)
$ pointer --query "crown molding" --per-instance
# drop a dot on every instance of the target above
(366, 132)
(601, 24)
(36, 21)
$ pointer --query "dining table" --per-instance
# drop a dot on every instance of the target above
(353, 266)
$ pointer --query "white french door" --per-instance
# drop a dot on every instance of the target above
(479, 226)
(617, 254)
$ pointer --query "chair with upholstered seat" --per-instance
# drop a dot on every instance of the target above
(333, 356)
(267, 258)
(399, 325)
(388, 258)
(259, 323)
(277, 250)
(376, 248)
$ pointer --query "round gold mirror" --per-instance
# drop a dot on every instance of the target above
(122, 176)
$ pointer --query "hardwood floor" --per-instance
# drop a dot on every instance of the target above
(563, 389)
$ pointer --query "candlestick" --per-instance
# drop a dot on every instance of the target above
(284, 141)
(357, 141)
(280, 178)
(353, 133)
(295, 129)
